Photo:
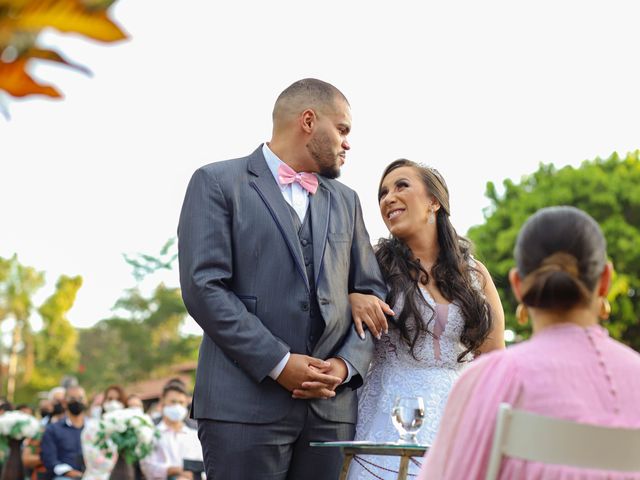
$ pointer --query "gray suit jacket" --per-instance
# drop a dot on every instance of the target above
(243, 280)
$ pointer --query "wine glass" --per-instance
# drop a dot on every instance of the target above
(407, 416)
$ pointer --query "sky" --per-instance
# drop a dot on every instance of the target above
(482, 91)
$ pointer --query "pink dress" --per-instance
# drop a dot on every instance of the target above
(564, 371)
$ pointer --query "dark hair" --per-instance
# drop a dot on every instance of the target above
(452, 272)
(174, 386)
(560, 254)
(122, 396)
(313, 91)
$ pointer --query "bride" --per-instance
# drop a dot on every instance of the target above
(446, 309)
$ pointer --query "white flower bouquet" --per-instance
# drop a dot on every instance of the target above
(17, 426)
(133, 434)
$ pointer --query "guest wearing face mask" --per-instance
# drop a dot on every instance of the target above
(56, 398)
(61, 449)
(177, 442)
(115, 398)
(45, 407)
(99, 463)
(34, 469)
(135, 403)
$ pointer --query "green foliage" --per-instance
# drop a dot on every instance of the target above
(56, 352)
(144, 264)
(18, 285)
(609, 190)
(144, 339)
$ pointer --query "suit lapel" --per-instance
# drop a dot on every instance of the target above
(270, 193)
(320, 208)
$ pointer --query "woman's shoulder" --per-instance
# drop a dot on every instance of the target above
(623, 352)
(495, 362)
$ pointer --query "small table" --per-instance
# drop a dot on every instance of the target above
(351, 449)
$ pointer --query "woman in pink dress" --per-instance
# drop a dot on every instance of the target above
(569, 369)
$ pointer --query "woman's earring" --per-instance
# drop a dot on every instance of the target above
(522, 314)
(605, 308)
(432, 218)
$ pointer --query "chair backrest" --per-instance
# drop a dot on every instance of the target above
(537, 438)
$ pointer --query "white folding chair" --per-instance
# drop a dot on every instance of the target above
(537, 438)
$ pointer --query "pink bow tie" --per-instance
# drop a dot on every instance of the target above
(288, 175)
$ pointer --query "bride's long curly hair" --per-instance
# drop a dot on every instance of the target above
(452, 273)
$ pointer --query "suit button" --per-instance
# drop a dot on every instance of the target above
(305, 306)
(307, 262)
(304, 242)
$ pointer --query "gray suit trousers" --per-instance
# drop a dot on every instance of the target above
(276, 451)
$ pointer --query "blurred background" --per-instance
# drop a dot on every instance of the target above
(519, 106)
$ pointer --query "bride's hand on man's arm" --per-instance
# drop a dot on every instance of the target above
(369, 310)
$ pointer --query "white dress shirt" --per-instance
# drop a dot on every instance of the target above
(298, 198)
(172, 449)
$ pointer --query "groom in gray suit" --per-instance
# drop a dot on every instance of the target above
(270, 247)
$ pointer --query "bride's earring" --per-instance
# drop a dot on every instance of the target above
(522, 314)
(432, 217)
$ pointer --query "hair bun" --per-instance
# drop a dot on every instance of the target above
(555, 284)
(562, 261)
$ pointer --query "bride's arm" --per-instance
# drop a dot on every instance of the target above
(495, 340)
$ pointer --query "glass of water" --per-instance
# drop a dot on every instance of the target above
(407, 416)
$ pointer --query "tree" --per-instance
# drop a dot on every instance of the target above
(144, 339)
(607, 190)
(36, 361)
(56, 344)
(19, 284)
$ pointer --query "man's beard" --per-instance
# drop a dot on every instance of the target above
(320, 149)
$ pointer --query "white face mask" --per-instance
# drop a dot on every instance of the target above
(175, 413)
(112, 405)
(137, 409)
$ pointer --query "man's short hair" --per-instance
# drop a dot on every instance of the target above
(72, 388)
(56, 390)
(305, 93)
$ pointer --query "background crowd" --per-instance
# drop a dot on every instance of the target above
(69, 419)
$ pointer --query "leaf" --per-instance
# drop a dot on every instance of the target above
(17, 82)
(69, 16)
(53, 56)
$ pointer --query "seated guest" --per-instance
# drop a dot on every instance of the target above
(61, 451)
(34, 469)
(135, 402)
(25, 408)
(177, 442)
(114, 398)
(569, 369)
(56, 397)
(5, 406)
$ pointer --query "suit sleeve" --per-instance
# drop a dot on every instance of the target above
(205, 253)
(364, 277)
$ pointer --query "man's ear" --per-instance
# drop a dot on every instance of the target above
(308, 120)
(516, 283)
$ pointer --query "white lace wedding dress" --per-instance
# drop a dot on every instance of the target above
(395, 372)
